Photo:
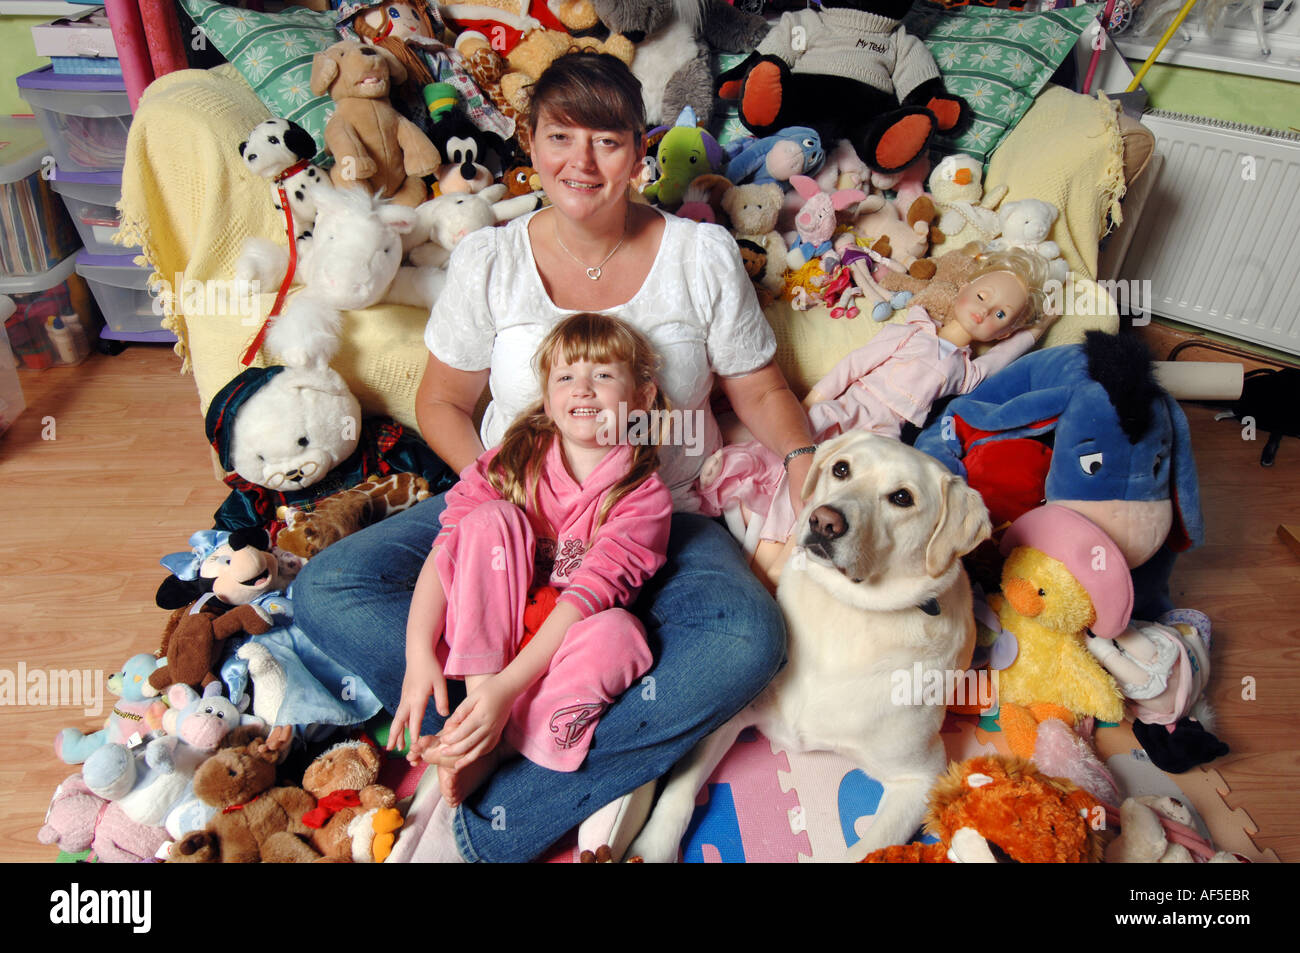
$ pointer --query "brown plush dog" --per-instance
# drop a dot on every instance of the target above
(257, 822)
(343, 781)
(373, 145)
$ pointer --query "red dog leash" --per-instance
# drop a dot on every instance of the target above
(253, 348)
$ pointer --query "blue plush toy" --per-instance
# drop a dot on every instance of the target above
(1086, 426)
(796, 150)
(132, 714)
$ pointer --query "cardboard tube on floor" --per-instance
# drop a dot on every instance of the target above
(1200, 380)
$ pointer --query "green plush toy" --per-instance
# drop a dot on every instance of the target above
(685, 152)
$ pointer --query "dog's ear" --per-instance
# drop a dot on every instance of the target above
(300, 141)
(824, 452)
(325, 68)
(963, 524)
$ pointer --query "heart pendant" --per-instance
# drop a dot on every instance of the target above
(593, 274)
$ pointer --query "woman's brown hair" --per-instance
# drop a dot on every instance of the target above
(591, 90)
(517, 467)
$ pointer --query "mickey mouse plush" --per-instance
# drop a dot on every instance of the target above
(465, 150)
(852, 72)
(212, 592)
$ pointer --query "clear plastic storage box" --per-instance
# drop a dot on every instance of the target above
(84, 118)
(11, 391)
(121, 288)
(51, 324)
(91, 199)
(35, 231)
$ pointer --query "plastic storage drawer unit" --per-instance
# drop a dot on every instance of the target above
(53, 313)
(85, 118)
(11, 391)
(91, 199)
(35, 232)
(121, 289)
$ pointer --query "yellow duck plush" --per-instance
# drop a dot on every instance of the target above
(1063, 581)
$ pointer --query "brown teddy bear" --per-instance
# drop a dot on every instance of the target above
(937, 294)
(312, 527)
(355, 818)
(257, 822)
(373, 145)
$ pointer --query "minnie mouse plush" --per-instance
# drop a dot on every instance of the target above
(213, 592)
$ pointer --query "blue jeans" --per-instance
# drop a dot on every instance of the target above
(716, 634)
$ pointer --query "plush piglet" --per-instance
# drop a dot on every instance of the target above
(815, 223)
(281, 150)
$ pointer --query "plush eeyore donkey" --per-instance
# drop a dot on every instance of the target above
(1086, 426)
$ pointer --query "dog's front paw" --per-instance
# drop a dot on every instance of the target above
(654, 846)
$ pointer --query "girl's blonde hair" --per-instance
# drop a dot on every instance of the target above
(516, 469)
(1028, 266)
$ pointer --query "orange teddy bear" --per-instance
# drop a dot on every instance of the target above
(991, 809)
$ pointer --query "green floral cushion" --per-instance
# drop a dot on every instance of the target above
(273, 51)
(997, 60)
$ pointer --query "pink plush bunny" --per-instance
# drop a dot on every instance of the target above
(815, 223)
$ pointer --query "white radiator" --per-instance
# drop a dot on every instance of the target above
(1219, 238)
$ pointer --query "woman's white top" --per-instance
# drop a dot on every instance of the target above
(696, 306)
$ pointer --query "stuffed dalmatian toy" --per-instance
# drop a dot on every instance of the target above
(281, 150)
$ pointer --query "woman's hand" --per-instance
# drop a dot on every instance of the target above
(475, 727)
(798, 473)
(423, 678)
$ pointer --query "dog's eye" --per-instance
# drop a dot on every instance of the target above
(273, 140)
(1042, 592)
(840, 469)
(901, 498)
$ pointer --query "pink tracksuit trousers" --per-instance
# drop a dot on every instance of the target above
(487, 569)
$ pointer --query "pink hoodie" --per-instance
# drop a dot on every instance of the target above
(594, 571)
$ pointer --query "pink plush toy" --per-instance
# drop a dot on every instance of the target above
(815, 223)
(73, 815)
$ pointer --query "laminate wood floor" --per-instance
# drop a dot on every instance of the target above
(108, 469)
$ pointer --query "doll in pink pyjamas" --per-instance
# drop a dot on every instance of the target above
(564, 501)
(897, 376)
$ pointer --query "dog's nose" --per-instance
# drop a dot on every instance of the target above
(827, 522)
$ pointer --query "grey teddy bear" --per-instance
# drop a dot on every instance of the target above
(672, 40)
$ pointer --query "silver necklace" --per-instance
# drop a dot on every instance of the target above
(593, 271)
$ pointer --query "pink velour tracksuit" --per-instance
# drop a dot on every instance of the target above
(490, 553)
(895, 377)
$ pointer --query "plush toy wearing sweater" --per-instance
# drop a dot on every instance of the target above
(850, 71)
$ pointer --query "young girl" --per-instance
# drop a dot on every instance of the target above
(898, 375)
(565, 502)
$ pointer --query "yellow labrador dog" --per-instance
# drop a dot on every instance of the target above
(873, 586)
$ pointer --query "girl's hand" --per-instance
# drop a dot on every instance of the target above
(475, 727)
(423, 678)
(1050, 316)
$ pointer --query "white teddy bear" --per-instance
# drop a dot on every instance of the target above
(1026, 224)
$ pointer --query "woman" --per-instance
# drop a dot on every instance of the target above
(716, 634)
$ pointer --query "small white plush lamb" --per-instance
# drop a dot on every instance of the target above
(281, 150)
(445, 220)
